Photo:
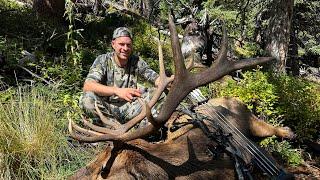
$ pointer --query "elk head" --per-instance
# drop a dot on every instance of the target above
(184, 82)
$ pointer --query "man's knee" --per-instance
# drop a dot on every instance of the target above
(87, 101)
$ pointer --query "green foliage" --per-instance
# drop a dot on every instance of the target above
(32, 137)
(279, 99)
(9, 4)
(238, 15)
(72, 44)
(66, 76)
(305, 22)
(283, 149)
(255, 91)
(299, 103)
(70, 71)
(23, 31)
(219, 9)
(313, 47)
(11, 49)
(21, 27)
(147, 46)
(6, 95)
(248, 50)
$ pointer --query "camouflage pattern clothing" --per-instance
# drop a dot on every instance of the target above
(105, 71)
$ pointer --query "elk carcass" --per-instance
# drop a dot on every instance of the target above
(187, 153)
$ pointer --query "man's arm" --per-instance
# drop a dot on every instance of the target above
(103, 90)
(149, 74)
(94, 77)
(146, 72)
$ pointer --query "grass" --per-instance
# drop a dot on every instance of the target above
(33, 143)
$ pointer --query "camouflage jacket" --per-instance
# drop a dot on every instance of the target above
(105, 71)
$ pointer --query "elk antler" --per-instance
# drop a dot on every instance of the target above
(184, 82)
(192, 64)
(113, 129)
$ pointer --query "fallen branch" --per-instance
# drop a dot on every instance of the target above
(124, 10)
(35, 75)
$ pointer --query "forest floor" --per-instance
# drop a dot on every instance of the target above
(310, 169)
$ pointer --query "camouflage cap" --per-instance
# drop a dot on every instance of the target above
(121, 32)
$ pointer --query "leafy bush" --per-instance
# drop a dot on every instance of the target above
(147, 46)
(279, 100)
(32, 137)
(256, 92)
(248, 50)
(299, 103)
(283, 149)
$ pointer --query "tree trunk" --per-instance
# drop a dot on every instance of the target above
(293, 60)
(278, 33)
(147, 7)
(49, 8)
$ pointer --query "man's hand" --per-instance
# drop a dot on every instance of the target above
(127, 93)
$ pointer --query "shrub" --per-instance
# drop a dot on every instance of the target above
(248, 50)
(147, 46)
(33, 144)
(299, 103)
(256, 92)
(280, 100)
(283, 149)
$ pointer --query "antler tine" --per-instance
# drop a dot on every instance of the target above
(164, 80)
(191, 64)
(114, 124)
(136, 119)
(97, 128)
(149, 115)
(88, 134)
(222, 66)
(74, 126)
(180, 68)
(123, 127)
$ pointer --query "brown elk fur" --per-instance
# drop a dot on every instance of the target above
(184, 155)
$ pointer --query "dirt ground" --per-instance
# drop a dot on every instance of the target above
(307, 170)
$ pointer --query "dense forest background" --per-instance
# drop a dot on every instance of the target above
(47, 47)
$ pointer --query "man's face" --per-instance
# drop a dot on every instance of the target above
(122, 47)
